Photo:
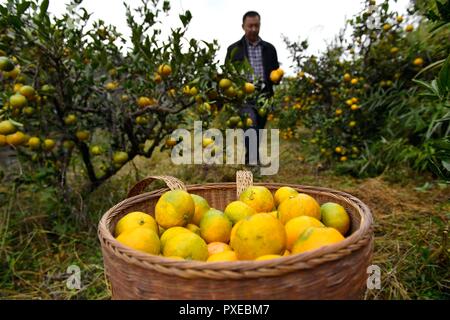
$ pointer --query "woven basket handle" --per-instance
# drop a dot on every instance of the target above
(244, 179)
(171, 182)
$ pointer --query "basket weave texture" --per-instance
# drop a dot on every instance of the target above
(337, 271)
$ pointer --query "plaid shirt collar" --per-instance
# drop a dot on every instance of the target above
(257, 43)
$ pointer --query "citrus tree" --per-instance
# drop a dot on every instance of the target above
(73, 91)
(359, 99)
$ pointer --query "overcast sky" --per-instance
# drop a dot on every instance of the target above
(319, 21)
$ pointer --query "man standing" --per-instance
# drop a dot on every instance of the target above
(262, 56)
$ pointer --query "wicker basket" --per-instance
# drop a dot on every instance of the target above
(337, 271)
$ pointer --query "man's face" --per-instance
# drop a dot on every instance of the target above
(251, 27)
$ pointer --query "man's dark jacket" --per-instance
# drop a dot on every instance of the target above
(238, 51)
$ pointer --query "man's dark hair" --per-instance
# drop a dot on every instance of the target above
(250, 14)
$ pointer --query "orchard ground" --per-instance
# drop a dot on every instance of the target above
(38, 242)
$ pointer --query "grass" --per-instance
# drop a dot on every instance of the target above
(40, 237)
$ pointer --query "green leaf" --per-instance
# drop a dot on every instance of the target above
(186, 18)
(446, 165)
(44, 7)
(166, 6)
(15, 123)
(444, 77)
(22, 7)
(15, 21)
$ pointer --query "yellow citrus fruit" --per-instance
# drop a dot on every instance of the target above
(233, 231)
(6, 64)
(259, 198)
(70, 119)
(354, 81)
(223, 256)
(274, 214)
(48, 144)
(27, 91)
(284, 193)
(276, 75)
(225, 84)
(258, 235)
(96, 150)
(144, 102)
(268, 257)
(82, 135)
(120, 157)
(157, 78)
(16, 139)
(418, 62)
(7, 127)
(171, 232)
(249, 88)
(188, 246)
(335, 216)
(217, 247)
(238, 210)
(34, 143)
(17, 87)
(141, 239)
(2, 140)
(112, 85)
(170, 142)
(215, 226)
(134, 220)
(18, 101)
(165, 70)
(295, 227)
(206, 142)
(193, 91)
(201, 207)
(300, 205)
(193, 228)
(314, 238)
(174, 209)
(409, 28)
(347, 77)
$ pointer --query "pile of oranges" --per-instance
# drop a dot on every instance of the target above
(258, 226)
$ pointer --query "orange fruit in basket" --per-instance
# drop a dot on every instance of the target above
(193, 228)
(284, 193)
(135, 219)
(259, 198)
(238, 210)
(215, 227)
(258, 235)
(188, 246)
(314, 238)
(233, 232)
(174, 208)
(335, 216)
(142, 239)
(274, 214)
(170, 233)
(268, 257)
(217, 247)
(296, 226)
(201, 206)
(223, 256)
(300, 205)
